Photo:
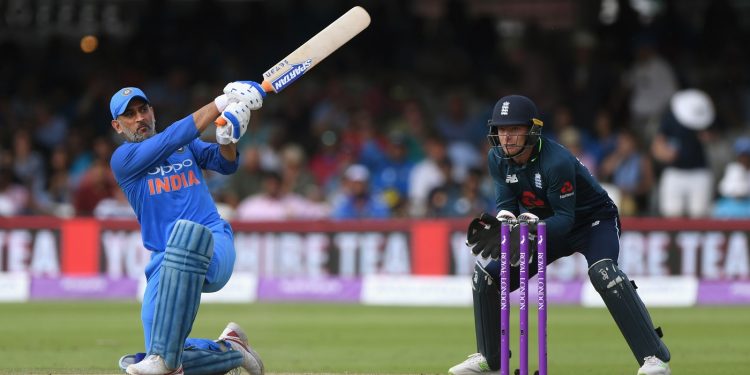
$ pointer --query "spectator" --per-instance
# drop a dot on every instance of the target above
(14, 197)
(442, 200)
(356, 200)
(52, 127)
(115, 207)
(652, 82)
(98, 183)
(273, 204)
(456, 123)
(412, 121)
(295, 175)
(28, 164)
(426, 175)
(390, 175)
(631, 171)
(80, 157)
(57, 198)
(686, 185)
(605, 135)
(734, 187)
(247, 180)
(473, 200)
(570, 138)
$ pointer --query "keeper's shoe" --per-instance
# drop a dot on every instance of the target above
(153, 365)
(654, 366)
(475, 364)
(237, 339)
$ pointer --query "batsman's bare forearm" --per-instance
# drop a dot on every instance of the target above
(205, 116)
(228, 152)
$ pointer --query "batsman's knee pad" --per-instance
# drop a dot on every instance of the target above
(628, 311)
(183, 271)
(486, 315)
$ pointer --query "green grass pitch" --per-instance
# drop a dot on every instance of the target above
(89, 337)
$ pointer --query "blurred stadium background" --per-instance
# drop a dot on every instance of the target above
(396, 116)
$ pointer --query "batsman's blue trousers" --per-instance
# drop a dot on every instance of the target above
(219, 271)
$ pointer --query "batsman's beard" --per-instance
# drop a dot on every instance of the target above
(139, 135)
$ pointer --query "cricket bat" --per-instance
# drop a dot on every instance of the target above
(309, 54)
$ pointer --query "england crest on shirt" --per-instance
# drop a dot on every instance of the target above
(538, 180)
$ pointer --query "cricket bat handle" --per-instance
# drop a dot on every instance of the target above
(267, 87)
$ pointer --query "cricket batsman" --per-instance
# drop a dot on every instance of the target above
(536, 178)
(192, 246)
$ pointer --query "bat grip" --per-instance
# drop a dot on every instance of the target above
(267, 87)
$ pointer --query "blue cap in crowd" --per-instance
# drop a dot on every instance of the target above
(120, 100)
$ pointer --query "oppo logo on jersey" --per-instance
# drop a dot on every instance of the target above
(179, 176)
(167, 169)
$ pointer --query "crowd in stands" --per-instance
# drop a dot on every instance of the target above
(394, 125)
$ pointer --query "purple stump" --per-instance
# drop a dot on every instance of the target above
(504, 300)
(541, 237)
(523, 297)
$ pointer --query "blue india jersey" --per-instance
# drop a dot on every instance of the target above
(162, 179)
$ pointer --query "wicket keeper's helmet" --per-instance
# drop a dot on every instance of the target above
(514, 110)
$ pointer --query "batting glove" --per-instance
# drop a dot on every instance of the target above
(248, 92)
(237, 116)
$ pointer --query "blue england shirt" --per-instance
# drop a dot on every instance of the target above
(554, 186)
(162, 180)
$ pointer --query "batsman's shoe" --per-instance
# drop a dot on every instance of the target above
(237, 339)
(654, 366)
(475, 364)
(153, 365)
(129, 359)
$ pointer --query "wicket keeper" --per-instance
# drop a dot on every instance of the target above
(536, 178)
(192, 246)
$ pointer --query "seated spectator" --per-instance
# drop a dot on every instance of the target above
(115, 207)
(631, 171)
(57, 198)
(14, 197)
(51, 129)
(473, 200)
(273, 204)
(98, 183)
(247, 180)
(426, 175)
(295, 174)
(390, 174)
(28, 164)
(571, 138)
(443, 200)
(356, 200)
(734, 186)
(605, 135)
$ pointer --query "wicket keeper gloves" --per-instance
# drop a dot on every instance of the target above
(483, 236)
(237, 116)
(515, 247)
(248, 92)
(529, 218)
